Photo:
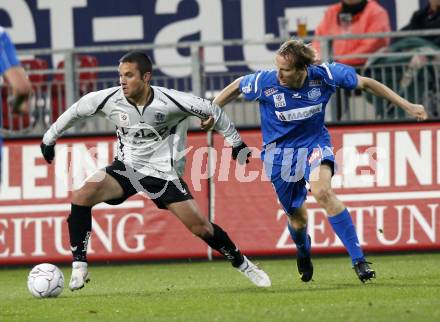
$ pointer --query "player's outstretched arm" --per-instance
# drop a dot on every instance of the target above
(227, 95)
(225, 127)
(64, 122)
(85, 107)
(374, 87)
(21, 89)
(205, 109)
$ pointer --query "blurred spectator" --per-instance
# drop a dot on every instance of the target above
(413, 77)
(422, 67)
(426, 18)
(354, 17)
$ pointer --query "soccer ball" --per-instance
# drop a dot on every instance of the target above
(45, 280)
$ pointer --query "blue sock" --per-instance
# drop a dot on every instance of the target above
(301, 240)
(344, 228)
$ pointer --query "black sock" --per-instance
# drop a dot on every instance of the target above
(80, 228)
(221, 242)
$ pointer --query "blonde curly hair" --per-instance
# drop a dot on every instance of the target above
(300, 53)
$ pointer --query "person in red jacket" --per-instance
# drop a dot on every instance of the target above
(354, 17)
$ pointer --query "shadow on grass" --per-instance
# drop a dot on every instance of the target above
(315, 287)
(297, 288)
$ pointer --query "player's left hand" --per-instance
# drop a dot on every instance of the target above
(48, 152)
(207, 124)
(418, 111)
(241, 153)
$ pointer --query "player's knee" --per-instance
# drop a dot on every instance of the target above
(323, 195)
(202, 230)
(81, 198)
(297, 218)
(85, 196)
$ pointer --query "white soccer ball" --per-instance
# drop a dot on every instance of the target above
(45, 280)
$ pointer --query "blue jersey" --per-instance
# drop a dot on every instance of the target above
(8, 56)
(294, 118)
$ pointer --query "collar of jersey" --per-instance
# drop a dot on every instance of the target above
(146, 104)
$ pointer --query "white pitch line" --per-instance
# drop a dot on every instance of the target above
(385, 196)
(9, 210)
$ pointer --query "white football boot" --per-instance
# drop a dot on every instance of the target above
(255, 274)
(80, 275)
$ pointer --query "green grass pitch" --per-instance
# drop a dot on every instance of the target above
(407, 288)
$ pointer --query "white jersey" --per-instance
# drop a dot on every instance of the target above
(150, 139)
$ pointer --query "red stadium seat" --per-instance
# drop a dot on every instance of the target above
(87, 83)
(39, 86)
(33, 65)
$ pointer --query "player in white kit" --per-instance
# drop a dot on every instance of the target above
(151, 125)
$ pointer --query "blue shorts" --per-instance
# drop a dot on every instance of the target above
(8, 55)
(289, 179)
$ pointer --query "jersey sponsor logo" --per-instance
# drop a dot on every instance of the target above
(315, 82)
(149, 133)
(159, 117)
(299, 113)
(314, 94)
(247, 88)
(296, 95)
(279, 100)
(270, 91)
(199, 111)
(124, 120)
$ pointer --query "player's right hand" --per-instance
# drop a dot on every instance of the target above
(418, 111)
(207, 124)
(48, 152)
(19, 103)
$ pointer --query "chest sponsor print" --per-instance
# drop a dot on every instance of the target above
(299, 113)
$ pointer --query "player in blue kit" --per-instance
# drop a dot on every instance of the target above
(296, 144)
(10, 68)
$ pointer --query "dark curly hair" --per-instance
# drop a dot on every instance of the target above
(142, 60)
